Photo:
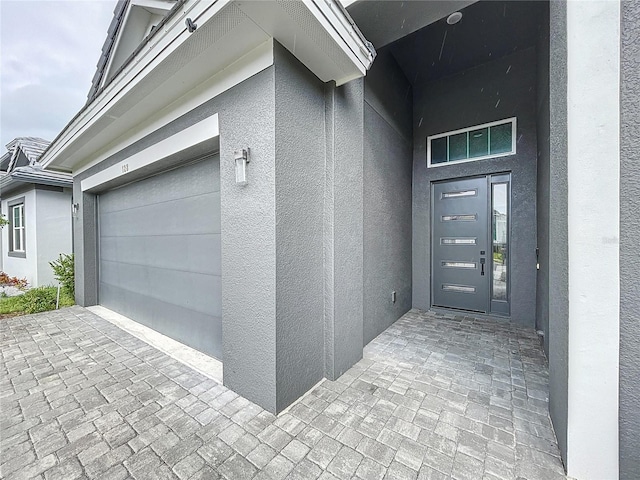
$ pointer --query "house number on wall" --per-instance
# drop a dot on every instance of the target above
(125, 168)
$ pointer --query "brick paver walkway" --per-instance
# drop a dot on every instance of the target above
(435, 397)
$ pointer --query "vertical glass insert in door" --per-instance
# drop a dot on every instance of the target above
(500, 240)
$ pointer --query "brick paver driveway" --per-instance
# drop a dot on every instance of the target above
(434, 397)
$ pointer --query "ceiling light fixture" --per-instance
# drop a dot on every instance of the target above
(454, 18)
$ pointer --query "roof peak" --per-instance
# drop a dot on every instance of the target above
(32, 147)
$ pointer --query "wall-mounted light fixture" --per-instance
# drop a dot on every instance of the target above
(191, 26)
(242, 158)
(75, 208)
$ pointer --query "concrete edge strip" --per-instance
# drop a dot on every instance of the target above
(198, 361)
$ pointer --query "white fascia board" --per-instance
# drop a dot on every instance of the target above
(318, 33)
(593, 171)
(247, 66)
(160, 46)
(153, 4)
(330, 23)
(341, 25)
(197, 133)
(348, 3)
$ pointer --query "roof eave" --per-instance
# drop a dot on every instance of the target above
(81, 137)
(42, 179)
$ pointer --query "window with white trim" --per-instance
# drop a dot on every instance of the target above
(489, 140)
(17, 228)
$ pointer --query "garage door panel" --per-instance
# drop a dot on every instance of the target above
(168, 186)
(189, 252)
(109, 248)
(204, 332)
(176, 217)
(109, 273)
(160, 254)
(195, 254)
(186, 289)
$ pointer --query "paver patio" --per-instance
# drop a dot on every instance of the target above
(436, 396)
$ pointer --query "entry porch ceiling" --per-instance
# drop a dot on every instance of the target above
(488, 30)
(383, 21)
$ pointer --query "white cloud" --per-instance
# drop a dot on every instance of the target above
(48, 56)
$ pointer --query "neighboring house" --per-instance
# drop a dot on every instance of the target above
(37, 205)
(257, 181)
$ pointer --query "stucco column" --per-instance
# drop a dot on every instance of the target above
(593, 161)
(85, 246)
(629, 233)
(343, 246)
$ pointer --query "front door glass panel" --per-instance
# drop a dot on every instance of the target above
(500, 240)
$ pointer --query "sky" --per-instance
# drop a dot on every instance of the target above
(48, 55)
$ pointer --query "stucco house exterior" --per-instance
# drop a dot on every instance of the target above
(37, 205)
(275, 183)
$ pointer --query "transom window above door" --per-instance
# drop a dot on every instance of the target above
(489, 140)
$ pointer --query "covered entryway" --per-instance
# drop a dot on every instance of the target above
(451, 104)
(470, 240)
(159, 253)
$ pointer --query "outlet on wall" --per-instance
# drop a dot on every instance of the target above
(393, 297)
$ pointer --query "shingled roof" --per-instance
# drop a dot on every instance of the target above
(20, 165)
(22, 151)
(32, 147)
(117, 22)
(107, 47)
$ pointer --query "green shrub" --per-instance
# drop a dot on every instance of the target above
(41, 299)
(64, 273)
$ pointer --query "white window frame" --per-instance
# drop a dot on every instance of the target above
(17, 231)
(514, 129)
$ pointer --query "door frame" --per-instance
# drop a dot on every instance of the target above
(494, 307)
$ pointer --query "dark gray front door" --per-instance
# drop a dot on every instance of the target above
(160, 254)
(460, 245)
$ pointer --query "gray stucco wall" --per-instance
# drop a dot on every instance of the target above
(248, 241)
(387, 195)
(492, 91)
(299, 191)
(343, 226)
(558, 227)
(629, 232)
(248, 232)
(543, 133)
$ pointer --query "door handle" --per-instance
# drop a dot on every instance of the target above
(482, 266)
